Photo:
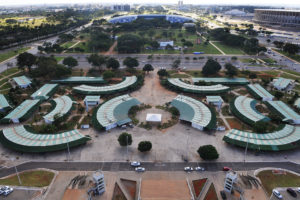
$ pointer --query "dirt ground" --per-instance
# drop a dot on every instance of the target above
(152, 92)
(75, 194)
(165, 189)
(255, 194)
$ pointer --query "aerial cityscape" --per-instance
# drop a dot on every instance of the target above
(149, 100)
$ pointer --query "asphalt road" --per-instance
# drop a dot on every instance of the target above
(150, 166)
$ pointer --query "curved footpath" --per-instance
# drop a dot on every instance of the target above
(150, 166)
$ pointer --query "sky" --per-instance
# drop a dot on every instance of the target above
(291, 3)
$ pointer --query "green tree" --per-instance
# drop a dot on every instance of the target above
(26, 60)
(252, 75)
(208, 152)
(154, 44)
(70, 61)
(291, 48)
(108, 75)
(129, 43)
(130, 62)
(211, 67)
(148, 68)
(162, 72)
(96, 61)
(125, 139)
(145, 146)
(176, 63)
(112, 63)
(278, 95)
(260, 127)
(231, 70)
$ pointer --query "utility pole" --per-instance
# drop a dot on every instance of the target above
(20, 182)
(127, 148)
(69, 154)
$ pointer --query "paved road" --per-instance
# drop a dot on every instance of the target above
(150, 166)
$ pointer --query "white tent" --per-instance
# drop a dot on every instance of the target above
(153, 117)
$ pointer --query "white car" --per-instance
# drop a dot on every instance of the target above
(277, 194)
(188, 169)
(199, 169)
(135, 163)
(139, 169)
(7, 190)
(298, 189)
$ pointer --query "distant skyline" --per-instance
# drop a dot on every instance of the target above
(289, 3)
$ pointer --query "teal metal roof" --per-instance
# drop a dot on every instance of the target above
(260, 91)
(192, 110)
(80, 79)
(22, 80)
(92, 98)
(20, 136)
(105, 89)
(286, 138)
(22, 109)
(246, 107)
(214, 99)
(284, 110)
(44, 91)
(63, 106)
(115, 110)
(3, 102)
(282, 83)
(202, 89)
(241, 81)
(297, 103)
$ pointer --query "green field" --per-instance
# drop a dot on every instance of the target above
(82, 45)
(31, 179)
(27, 21)
(247, 60)
(67, 45)
(58, 59)
(9, 54)
(271, 181)
(228, 49)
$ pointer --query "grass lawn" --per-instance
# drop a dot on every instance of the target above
(31, 179)
(271, 181)
(289, 76)
(228, 49)
(10, 54)
(194, 73)
(58, 59)
(82, 45)
(291, 72)
(294, 57)
(176, 75)
(269, 60)
(207, 49)
(67, 45)
(247, 60)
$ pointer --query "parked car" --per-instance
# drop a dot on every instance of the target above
(298, 189)
(223, 195)
(199, 169)
(135, 163)
(188, 169)
(226, 169)
(291, 192)
(139, 169)
(277, 194)
(8, 191)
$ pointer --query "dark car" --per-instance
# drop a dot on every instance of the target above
(223, 195)
(291, 192)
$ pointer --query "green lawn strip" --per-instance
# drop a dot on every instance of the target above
(271, 181)
(246, 60)
(82, 45)
(9, 54)
(269, 60)
(58, 59)
(3, 81)
(291, 72)
(294, 57)
(31, 179)
(205, 48)
(5, 86)
(228, 49)
(175, 75)
(67, 45)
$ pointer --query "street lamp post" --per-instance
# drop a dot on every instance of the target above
(127, 147)
(69, 154)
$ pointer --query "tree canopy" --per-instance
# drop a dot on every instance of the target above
(129, 43)
(130, 62)
(125, 139)
(26, 60)
(145, 146)
(231, 70)
(211, 67)
(96, 60)
(208, 152)
(148, 68)
(70, 61)
(112, 63)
